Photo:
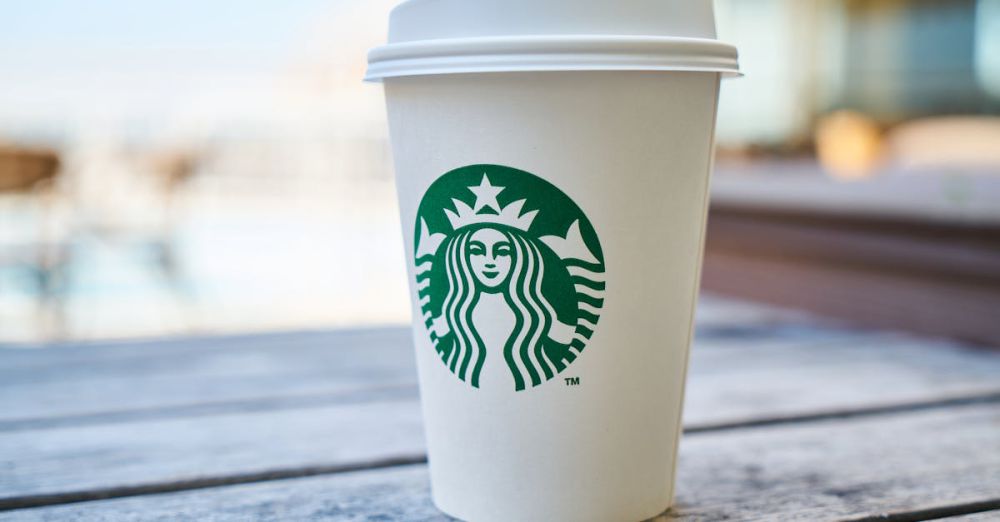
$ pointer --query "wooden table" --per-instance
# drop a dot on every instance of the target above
(786, 418)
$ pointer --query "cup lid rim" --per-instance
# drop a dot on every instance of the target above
(536, 53)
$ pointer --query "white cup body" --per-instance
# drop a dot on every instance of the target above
(633, 150)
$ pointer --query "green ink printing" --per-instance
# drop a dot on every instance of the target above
(489, 229)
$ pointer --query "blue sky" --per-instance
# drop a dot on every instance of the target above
(102, 24)
(65, 62)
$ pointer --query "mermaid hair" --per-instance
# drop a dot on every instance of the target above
(524, 351)
(467, 346)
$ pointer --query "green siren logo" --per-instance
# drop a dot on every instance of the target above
(510, 275)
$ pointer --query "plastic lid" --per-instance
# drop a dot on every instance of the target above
(467, 36)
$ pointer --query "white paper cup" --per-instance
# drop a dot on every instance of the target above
(554, 222)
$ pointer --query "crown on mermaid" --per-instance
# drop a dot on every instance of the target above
(487, 210)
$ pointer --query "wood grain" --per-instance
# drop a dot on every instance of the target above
(741, 384)
(823, 471)
(176, 374)
(92, 382)
(783, 414)
(123, 382)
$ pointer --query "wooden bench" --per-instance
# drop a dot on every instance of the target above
(911, 250)
(786, 418)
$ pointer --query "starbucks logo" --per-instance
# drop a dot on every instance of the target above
(510, 275)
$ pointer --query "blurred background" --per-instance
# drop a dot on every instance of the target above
(182, 167)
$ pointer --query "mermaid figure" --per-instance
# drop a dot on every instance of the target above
(490, 254)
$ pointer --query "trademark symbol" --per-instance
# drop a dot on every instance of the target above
(572, 381)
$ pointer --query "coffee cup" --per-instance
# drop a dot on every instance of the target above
(552, 164)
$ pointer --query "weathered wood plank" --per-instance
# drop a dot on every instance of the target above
(822, 471)
(201, 376)
(777, 378)
(733, 385)
(84, 380)
(162, 451)
(167, 412)
(713, 312)
(727, 384)
(839, 469)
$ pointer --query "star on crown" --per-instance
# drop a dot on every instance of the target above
(487, 210)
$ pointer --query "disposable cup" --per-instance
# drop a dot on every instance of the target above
(553, 222)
